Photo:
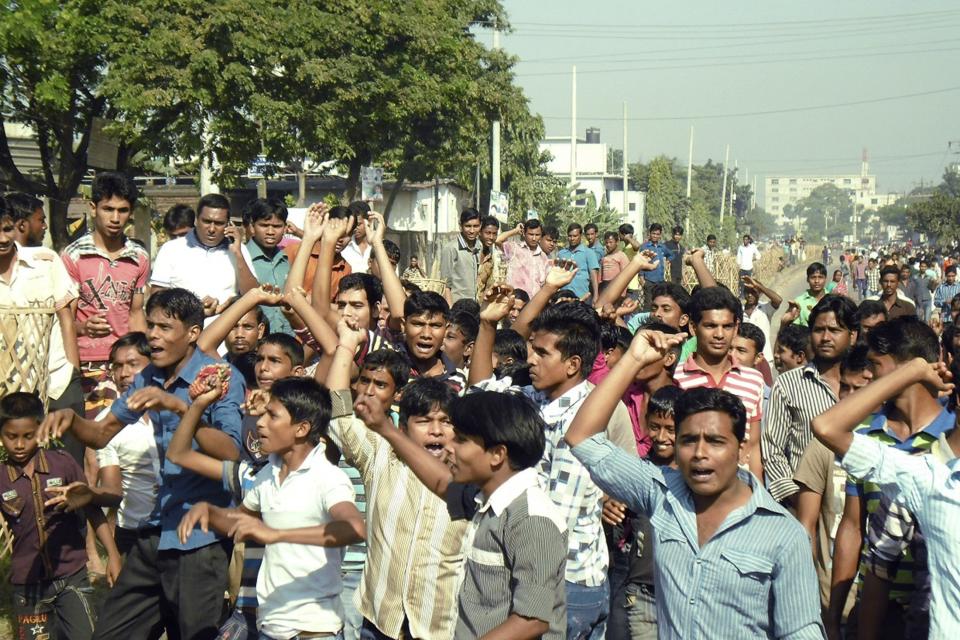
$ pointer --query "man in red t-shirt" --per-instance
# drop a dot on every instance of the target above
(111, 271)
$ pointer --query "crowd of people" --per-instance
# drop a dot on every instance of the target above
(273, 432)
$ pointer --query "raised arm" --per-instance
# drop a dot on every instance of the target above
(694, 258)
(316, 325)
(392, 289)
(497, 304)
(312, 231)
(180, 450)
(246, 279)
(93, 433)
(332, 232)
(592, 418)
(211, 337)
(350, 338)
(834, 428)
(558, 276)
(642, 261)
(506, 235)
(753, 283)
(433, 473)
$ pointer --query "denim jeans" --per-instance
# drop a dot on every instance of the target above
(241, 625)
(352, 620)
(54, 609)
(587, 611)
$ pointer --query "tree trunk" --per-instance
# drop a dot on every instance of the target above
(353, 179)
(58, 221)
(394, 192)
(301, 188)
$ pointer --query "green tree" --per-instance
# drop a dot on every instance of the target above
(51, 64)
(939, 215)
(826, 212)
(663, 193)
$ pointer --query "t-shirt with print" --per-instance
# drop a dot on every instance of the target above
(107, 286)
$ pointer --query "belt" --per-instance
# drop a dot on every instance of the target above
(316, 634)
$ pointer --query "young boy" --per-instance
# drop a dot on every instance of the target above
(613, 261)
(48, 565)
(633, 610)
(514, 571)
(425, 318)
(414, 550)
(459, 339)
(198, 568)
(111, 272)
(300, 507)
(798, 311)
(267, 219)
(792, 349)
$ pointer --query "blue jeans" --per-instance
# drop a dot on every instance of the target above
(241, 625)
(54, 609)
(587, 611)
(352, 620)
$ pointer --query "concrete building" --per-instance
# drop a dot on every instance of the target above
(591, 174)
(782, 190)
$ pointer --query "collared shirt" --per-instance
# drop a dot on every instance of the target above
(238, 478)
(414, 550)
(797, 397)
(612, 264)
(134, 452)
(710, 258)
(942, 297)
(359, 260)
(873, 279)
(598, 249)
(806, 301)
(299, 584)
(587, 261)
(568, 483)
(48, 542)
(753, 578)
(106, 285)
(271, 271)
(663, 255)
(871, 494)
(902, 306)
(526, 268)
(744, 382)
(338, 270)
(39, 278)
(760, 317)
(451, 375)
(931, 490)
(515, 562)
(459, 264)
(181, 489)
(189, 264)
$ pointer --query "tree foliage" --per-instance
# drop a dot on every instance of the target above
(939, 215)
(51, 64)
(825, 213)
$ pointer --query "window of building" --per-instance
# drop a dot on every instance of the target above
(775, 190)
(632, 206)
(775, 199)
(847, 181)
(873, 201)
(793, 181)
(793, 189)
(581, 202)
(774, 181)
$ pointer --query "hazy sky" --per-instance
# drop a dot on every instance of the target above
(689, 59)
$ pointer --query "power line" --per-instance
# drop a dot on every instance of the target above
(745, 58)
(768, 112)
(739, 63)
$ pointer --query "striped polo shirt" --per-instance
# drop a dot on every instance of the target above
(871, 493)
(744, 382)
(414, 550)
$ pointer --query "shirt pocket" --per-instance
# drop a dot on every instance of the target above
(751, 574)
(13, 507)
(486, 578)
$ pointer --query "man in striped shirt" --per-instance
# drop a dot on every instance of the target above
(730, 562)
(912, 423)
(715, 315)
(924, 485)
(946, 291)
(801, 394)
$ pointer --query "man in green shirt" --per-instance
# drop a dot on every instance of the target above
(799, 309)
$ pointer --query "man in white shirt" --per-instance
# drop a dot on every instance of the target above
(210, 261)
(747, 253)
(129, 464)
(357, 253)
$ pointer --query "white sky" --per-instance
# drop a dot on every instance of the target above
(704, 58)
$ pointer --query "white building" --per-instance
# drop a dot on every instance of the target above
(780, 191)
(591, 175)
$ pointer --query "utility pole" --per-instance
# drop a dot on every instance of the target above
(573, 129)
(723, 193)
(733, 187)
(626, 175)
(495, 146)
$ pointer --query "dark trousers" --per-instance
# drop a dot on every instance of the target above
(71, 398)
(181, 591)
(54, 609)
(125, 539)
